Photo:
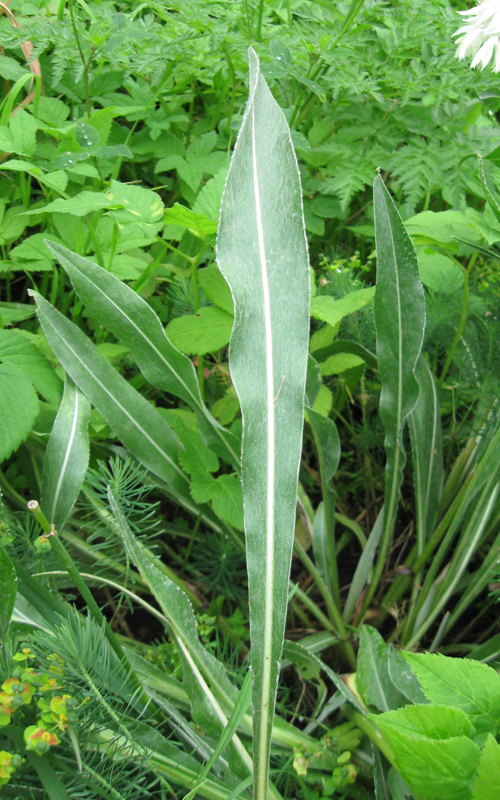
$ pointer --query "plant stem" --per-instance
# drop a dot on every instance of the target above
(84, 61)
(258, 32)
(461, 324)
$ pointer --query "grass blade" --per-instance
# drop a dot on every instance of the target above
(262, 253)
(66, 457)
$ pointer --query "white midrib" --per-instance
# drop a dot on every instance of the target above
(265, 698)
(158, 353)
(66, 458)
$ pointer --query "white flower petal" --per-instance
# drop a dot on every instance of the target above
(480, 36)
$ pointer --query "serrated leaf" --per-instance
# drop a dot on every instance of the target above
(210, 196)
(201, 488)
(19, 408)
(197, 224)
(204, 332)
(461, 682)
(404, 679)
(487, 781)
(66, 457)
(436, 769)
(262, 253)
(372, 678)
(18, 350)
(196, 455)
(431, 720)
(134, 205)
(327, 309)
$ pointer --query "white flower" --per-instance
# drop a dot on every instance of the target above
(480, 36)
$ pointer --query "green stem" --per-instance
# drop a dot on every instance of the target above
(333, 610)
(84, 61)
(461, 324)
(371, 730)
(258, 32)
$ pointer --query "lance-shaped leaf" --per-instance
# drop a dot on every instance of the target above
(66, 456)
(8, 596)
(135, 422)
(399, 310)
(123, 312)
(262, 253)
(424, 424)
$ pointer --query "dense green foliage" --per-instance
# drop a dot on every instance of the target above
(122, 406)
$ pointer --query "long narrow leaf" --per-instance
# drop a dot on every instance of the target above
(424, 424)
(136, 423)
(123, 312)
(262, 253)
(399, 310)
(66, 456)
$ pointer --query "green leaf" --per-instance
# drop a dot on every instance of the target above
(404, 679)
(487, 781)
(197, 224)
(215, 288)
(54, 180)
(66, 456)
(227, 500)
(123, 312)
(372, 678)
(461, 682)
(438, 272)
(23, 129)
(424, 424)
(19, 408)
(86, 135)
(81, 204)
(436, 770)
(8, 582)
(210, 196)
(432, 720)
(134, 205)
(345, 346)
(437, 226)
(10, 69)
(261, 252)
(135, 421)
(399, 311)
(327, 309)
(16, 349)
(14, 312)
(336, 365)
(204, 332)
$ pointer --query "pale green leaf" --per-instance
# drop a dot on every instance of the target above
(227, 500)
(207, 330)
(135, 205)
(81, 204)
(438, 272)
(262, 254)
(66, 457)
(337, 364)
(487, 781)
(18, 408)
(210, 196)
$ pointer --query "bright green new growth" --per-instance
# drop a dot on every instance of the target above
(262, 253)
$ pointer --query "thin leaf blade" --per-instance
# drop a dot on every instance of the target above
(66, 457)
(262, 254)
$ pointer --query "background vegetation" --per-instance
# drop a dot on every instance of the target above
(117, 125)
